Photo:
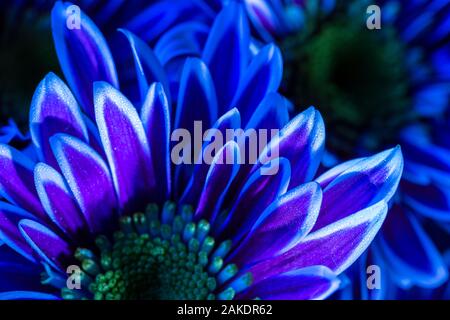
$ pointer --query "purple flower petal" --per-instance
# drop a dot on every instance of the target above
(146, 69)
(230, 120)
(262, 76)
(9, 230)
(54, 110)
(47, 244)
(89, 180)
(126, 147)
(302, 142)
(410, 253)
(197, 98)
(260, 190)
(17, 181)
(220, 175)
(329, 176)
(155, 117)
(312, 283)
(368, 181)
(27, 295)
(271, 113)
(336, 246)
(229, 37)
(83, 54)
(285, 222)
(58, 201)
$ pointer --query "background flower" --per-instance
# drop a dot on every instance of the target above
(376, 88)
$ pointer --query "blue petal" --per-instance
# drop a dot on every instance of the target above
(47, 244)
(17, 181)
(126, 147)
(221, 173)
(336, 246)
(89, 180)
(228, 41)
(367, 182)
(302, 142)
(27, 295)
(230, 120)
(147, 69)
(260, 190)
(9, 231)
(311, 283)
(282, 225)
(58, 201)
(54, 110)
(409, 252)
(262, 76)
(83, 54)
(155, 117)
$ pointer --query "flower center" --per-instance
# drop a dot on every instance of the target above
(163, 256)
(26, 55)
(356, 77)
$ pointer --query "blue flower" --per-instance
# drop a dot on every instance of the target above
(378, 88)
(105, 201)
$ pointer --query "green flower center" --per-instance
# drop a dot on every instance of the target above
(26, 55)
(158, 258)
(356, 77)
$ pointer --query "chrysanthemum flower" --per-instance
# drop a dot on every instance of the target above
(377, 88)
(105, 203)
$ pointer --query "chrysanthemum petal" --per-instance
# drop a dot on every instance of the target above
(197, 98)
(302, 142)
(223, 169)
(89, 180)
(229, 37)
(46, 243)
(9, 231)
(260, 190)
(147, 69)
(262, 76)
(230, 120)
(58, 201)
(311, 283)
(17, 272)
(17, 181)
(126, 147)
(429, 199)
(183, 40)
(410, 252)
(367, 182)
(336, 246)
(54, 110)
(285, 222)
(83, 54)
(155, 115)
(271, 113)
(27, 295)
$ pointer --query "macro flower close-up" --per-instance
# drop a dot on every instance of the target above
(105, 204)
